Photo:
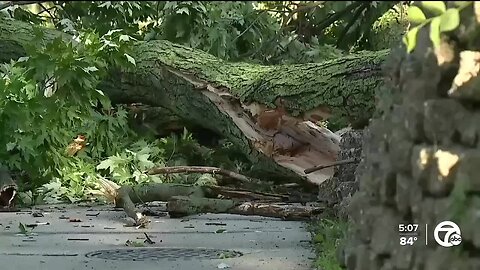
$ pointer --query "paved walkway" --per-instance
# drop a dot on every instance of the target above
(99, 240)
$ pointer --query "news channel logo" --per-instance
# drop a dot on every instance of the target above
(451, 234)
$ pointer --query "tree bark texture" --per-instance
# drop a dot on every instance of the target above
(421, 158)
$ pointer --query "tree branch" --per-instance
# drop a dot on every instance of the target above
(341, 162)
(325, 23)
(19, 3)
(200, 169)
(45, 9)
(357, 14)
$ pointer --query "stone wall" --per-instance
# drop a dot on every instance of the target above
(337, 191)
(421, 165)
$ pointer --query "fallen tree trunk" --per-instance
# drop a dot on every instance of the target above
(270, 112)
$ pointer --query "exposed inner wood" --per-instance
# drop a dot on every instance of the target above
(293, 142)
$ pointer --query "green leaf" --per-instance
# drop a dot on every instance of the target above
(22, 228)
(415, 15)
(201, 7)
(435, 32)
(143, 161)
(106, 164)
(100, 92)
(410, 39)
(124, 38)
(23, 59)
(143, 157)
(109, 33)
(169, 5)
(183, 10)
(90, 69)
(106, 4)
(11, 146)
(436, 7)
(450, 20)
(130, 59)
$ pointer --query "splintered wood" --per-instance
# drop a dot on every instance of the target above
(295, 143)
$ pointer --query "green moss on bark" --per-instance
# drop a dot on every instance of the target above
(346, 85)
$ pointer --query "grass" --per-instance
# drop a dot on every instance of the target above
(327, 236)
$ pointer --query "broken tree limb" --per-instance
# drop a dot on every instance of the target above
(126, 196)
(183, 206)
(270, 112)
(165, 191)
(340, 162)
(185, 200)
(276, 210)
(180, 206)
(124, 201)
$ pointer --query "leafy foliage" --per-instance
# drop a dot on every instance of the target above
(48, 98)
(389, 29)
(263, 32)
(333, 23)
(130, 165)
(85, 15)
(435, 14)
(53, 95)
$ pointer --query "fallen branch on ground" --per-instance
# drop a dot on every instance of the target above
(182, 206)
(201, 169)
(184, 200)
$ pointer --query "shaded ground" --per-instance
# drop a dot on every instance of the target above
(242, 242)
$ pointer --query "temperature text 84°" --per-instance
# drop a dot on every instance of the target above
(410, 240)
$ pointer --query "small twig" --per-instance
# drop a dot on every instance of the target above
(320, 167)
(250, 26)
(275, 10)
(45, 9)
(251, 195)
(148, 240)
(337, 15)
(200, 169)
(78, 239)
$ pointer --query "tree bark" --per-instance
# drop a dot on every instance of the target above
(269, 111)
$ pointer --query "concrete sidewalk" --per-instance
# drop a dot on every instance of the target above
(99, 240)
